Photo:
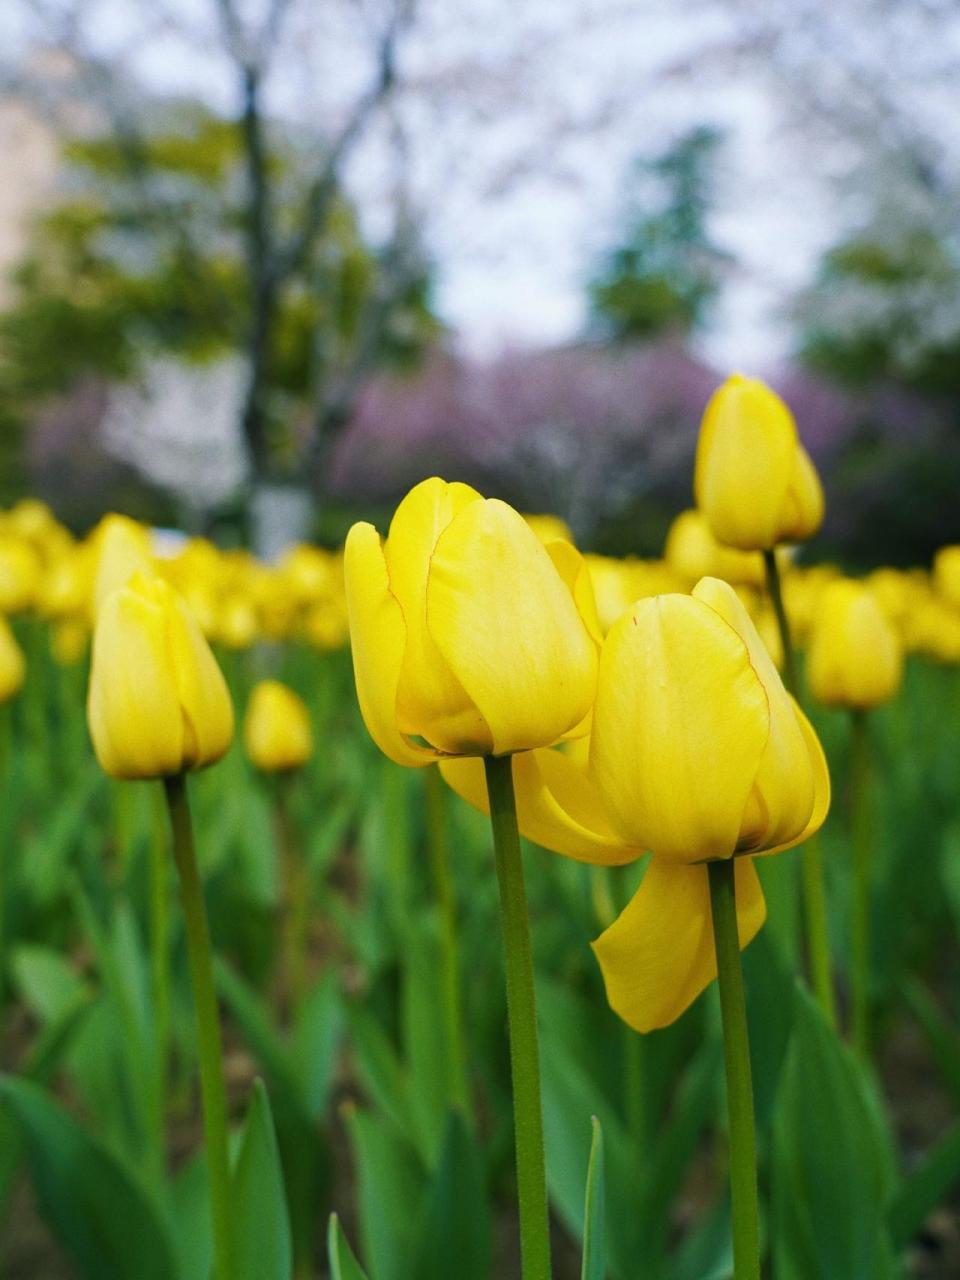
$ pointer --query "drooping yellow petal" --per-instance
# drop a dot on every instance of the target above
(509, 629)
(679, 728)
(782, 797)
(557, 805)
(658, 955)
(377, 637)
(431, 702)
(133, 705)
(745, 462)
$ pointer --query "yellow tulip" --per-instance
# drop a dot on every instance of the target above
(13, 667)
(158, 703)
(276, 729)
(753, 480)
(855, 657)
(469, 636)
(550, 528)
(236, 624)
(20, 575)
(123, 549)
(693, 553)
(698, 752)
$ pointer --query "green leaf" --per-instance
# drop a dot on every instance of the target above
(254, 1019)
(317, 1036)
(594, 1212)
(260, 1218)
(190, 1210)
(454, 1236)
(925, 1187)
(99, 1214)
(830, 1173)
(46, 980)
(391, 1183)
(343, 1265)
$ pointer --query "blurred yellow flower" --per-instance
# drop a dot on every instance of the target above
(69, 638)
(753, 480)
(855, 657)
(276, 729)
(20, 575)
(469, 636)
(158, 703)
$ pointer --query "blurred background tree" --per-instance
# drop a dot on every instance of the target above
(667, 270)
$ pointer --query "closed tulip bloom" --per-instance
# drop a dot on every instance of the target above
(855, 657)
(697, 753)
(276, 730)
(158, 703)
(469, 637)
(13, 667)
(753, 480)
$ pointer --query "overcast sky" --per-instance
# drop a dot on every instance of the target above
(522, 179)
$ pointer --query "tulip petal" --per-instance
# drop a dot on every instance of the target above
(572, 568)
(783, 793)
(744, 464)
(205, 702)
(658, 955)
(679, 728)
(431, 701)
(376, 637)
(802, 515)
(821, 787)
(557, 805)
(509, 629)
(133, 705)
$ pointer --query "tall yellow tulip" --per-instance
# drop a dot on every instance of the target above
(158, 703)
(753, 480)
(469, 636)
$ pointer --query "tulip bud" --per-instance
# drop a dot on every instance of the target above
(276, 730)
(158, 703)
(753, 480)
(13, 667)
(855, 657)
(68, 641)
(468, 634)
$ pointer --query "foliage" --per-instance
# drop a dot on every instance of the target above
(146, 257)
(667, 270)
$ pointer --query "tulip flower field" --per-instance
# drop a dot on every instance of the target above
(456, 905)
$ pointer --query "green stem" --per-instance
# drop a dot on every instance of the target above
(200, 956)
(814, 898)
(522, 1018)
(449, 940)
(736, 1053)
(775, 592)
(819, 941)
(159, 974)
(862, 860)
